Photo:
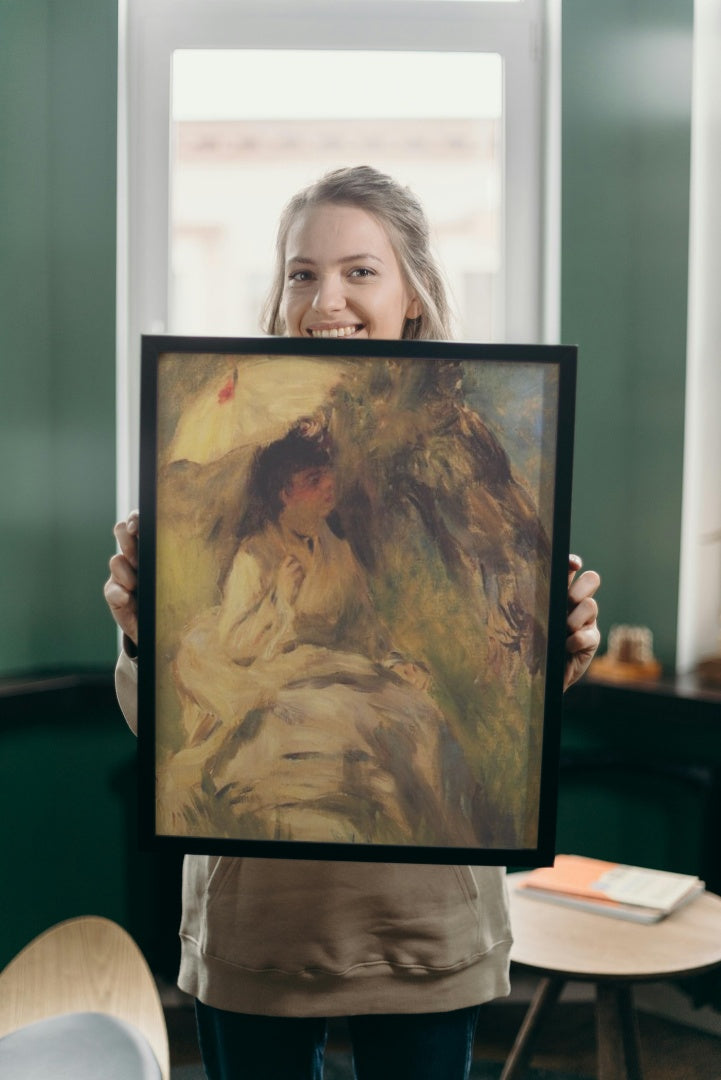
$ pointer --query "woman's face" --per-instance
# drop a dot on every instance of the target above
(342, 277)
(309, 497)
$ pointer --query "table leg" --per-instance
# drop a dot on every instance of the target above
(617, 1033)
(544, 999)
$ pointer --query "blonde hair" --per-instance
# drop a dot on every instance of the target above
(403, 217)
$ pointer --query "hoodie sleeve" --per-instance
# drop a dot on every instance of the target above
(126, 688)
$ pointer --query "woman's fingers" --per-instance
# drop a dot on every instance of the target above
(575, 562)
(583, 587)
(121, 587)
(582, 633)
(126, 534)
(123, 607)
(123, 572)
(582, 612)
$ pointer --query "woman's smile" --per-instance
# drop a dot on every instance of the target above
(335, 331)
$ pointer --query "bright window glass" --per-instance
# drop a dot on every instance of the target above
(469, 1)
(238, 155)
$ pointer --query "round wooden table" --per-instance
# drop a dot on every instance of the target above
(563, 944)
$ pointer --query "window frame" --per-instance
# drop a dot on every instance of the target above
(526, 34)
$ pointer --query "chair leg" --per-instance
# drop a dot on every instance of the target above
(617, 1033)
(544, 999)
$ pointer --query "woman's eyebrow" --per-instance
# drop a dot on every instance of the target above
(361, 257)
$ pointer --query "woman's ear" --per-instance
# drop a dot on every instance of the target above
(415, 309)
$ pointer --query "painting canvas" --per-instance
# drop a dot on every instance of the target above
(352, 596)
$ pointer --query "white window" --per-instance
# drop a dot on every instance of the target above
(227, 107)
(699, 623)
(236, 159)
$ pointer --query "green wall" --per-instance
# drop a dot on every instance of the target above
(58, 73)
(625, 200)
(67, 771)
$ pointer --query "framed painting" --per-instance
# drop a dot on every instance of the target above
(352, 597)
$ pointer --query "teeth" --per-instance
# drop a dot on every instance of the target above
(336, 332)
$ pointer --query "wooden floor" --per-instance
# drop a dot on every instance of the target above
(669, 1051)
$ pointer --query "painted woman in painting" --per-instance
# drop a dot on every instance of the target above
(302, 722)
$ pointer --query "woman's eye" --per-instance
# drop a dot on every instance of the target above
(300, 276)
(362, 272)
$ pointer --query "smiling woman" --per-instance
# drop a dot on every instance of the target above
(330, 291)
(353, 259)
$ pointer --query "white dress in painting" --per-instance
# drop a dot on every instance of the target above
(301, 722)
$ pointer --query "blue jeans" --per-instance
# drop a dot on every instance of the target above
(414, 1046)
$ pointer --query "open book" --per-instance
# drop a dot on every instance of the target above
(608, 888)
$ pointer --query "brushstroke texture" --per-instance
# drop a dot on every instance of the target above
(440, 556)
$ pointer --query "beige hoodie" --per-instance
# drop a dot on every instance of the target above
(284, 937)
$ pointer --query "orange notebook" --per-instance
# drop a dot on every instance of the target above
(631, 892)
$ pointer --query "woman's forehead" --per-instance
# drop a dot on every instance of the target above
(336, 230)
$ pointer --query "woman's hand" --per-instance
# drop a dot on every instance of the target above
(582, 633)
(121, 587)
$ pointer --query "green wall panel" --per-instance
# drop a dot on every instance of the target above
(58, 76)
(25, 400)
(626, 146)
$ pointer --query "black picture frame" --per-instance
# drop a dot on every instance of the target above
(373, 677)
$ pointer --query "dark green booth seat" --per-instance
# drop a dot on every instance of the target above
(640, 781)
(68, 803)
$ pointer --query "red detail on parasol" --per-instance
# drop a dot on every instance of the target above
(227, 392)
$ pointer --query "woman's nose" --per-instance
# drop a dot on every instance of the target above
(329, 296)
